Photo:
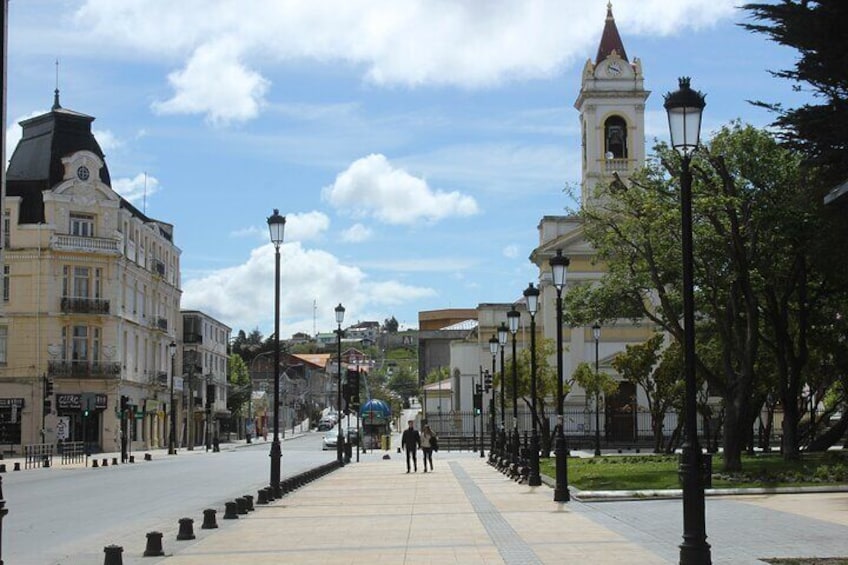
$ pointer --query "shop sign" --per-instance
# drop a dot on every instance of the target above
(74, 401)
(9, 402)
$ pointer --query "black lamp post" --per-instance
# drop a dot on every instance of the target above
(484, 379)
(494, 345)
(596, 333)
(172, 434)
(559, 266)
(503, 335)
(684, 108)
(340, 312)
(276, 227)
(534, 479)
(513, 318)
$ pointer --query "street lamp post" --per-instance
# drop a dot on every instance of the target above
(596, 333)
(534, 479)
(172, 434)
(484, 378)
(494, 345)
(559, 265)
(503, 335)
(340, 312)
(684, 108)
(513, 317)
(276, 226)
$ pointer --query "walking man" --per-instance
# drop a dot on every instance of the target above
(411, 440)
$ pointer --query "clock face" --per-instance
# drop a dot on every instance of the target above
(82, 173)
(614, 69)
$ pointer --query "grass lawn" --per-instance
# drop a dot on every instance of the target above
(655, 472)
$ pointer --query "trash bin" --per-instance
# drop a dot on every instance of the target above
(387, 442)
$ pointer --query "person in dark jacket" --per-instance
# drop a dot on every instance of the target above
(411, 440)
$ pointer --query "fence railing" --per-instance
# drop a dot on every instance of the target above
(72, 452)
(38, 455)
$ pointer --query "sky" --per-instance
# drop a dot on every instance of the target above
(413, 145)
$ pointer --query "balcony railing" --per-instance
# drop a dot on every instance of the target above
(162, 324)
(192, 339)
(84, 305)
(614, 165)
(67, 242)
(84, 369)
(159, 268)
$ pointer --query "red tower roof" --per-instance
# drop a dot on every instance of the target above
(610, 40)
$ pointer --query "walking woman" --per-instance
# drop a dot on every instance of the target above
(428, 445)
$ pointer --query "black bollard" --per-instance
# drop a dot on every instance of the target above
(94, 464)
(186, 529)
(113, 555)
(230, 512)
(241, 505)
(17, 466)
(154, 545)
(148, 457)
(2, 467)
(132, 458)
(209, 522)
(114, 461)
(269, 492)
(249, 499)
(261, 496)
(105, 462)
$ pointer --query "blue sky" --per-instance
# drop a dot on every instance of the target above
(413, 145)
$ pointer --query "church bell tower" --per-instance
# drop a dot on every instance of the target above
(612, 114)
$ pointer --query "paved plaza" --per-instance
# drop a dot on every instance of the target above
(468, 512)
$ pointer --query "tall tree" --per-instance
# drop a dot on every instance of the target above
(816, 29)
(754, 266)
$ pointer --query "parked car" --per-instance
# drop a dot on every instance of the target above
(331, 439)
(326, 424)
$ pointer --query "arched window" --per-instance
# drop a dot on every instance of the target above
(615, 138)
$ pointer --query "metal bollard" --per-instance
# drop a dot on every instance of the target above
(132, 458)
(154, 545)
(249, 498)
(94, 464)
(148, 457)
(230, 512)
(241, 505)
(2, 467)
(105, 462)
(186, 529)
(17, 466)
(209, 522)
(270, 493)
(114, 461)
(261, 496)
(113, 555)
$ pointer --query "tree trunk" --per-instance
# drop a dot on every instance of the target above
(831, 436)
(734, 436)
(789, 441)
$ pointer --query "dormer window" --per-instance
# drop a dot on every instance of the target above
(82, 225)
(615, 138)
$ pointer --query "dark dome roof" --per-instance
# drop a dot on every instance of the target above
(36, 164)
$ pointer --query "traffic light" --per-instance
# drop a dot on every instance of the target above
(351, 389)
(48, 405)
(48, 388)
(478, 402)
(488, 381)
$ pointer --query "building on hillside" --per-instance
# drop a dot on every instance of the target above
(91, 294)
(611, 107)
(204, 374)
(366, 332)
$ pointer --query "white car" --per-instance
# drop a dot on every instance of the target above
(331, 439)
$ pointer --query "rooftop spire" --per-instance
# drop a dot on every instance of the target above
(56, 104)
(610, 39)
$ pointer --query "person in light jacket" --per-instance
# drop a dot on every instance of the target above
(428, 443)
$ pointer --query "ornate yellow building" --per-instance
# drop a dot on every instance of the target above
(91, 292)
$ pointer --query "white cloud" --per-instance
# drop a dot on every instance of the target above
(510, 251)
(357, 233)
(107, 140)
(215, 83)
(242, 296)
(299, 227)
(468, 44)
(138, 188)
(371, 186)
